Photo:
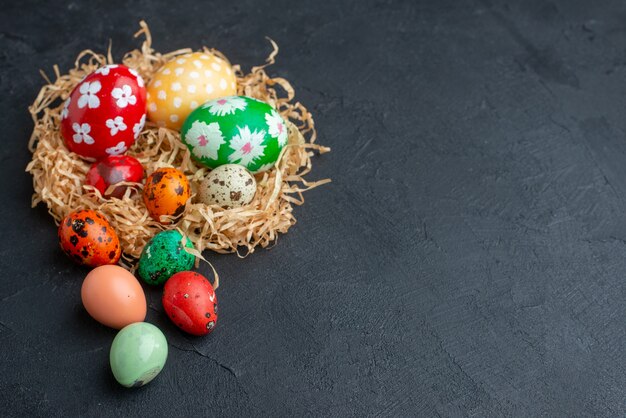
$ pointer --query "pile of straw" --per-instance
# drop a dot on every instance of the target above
(58, 175)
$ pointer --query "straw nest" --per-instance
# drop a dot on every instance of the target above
(58, 175)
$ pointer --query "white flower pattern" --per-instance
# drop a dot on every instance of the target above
(105, 70)
(65, 112)
(81, 133)
(88, 94)
(138, 127)
(277, 127)
(140, 82)
(120, 148)
(247, 146)
(225, 105)
(115, 125)
(124, 96)
(205, 139)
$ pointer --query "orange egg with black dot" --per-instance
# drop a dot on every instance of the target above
(184, 83)
(166, 193)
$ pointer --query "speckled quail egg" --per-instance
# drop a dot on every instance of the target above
(229, 186)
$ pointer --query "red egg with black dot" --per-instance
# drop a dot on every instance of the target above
(112, 170)
(190, 302)
(87, 238)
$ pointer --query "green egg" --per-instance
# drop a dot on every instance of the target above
(235, 130)
(138, 354)
(163, 256)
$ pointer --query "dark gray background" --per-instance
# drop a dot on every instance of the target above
(467, 260)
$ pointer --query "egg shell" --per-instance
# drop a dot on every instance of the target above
(190, 302)
(235, 130)
(163, 256)
(138, 354)
(105, 112)
(184, 83)
(113, 297)
(111, 170)
(229, 185)
(166, 193)
(87, 238)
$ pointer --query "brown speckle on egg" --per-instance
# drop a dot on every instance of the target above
(229, 186)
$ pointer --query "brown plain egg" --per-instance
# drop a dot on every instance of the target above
(113, 297)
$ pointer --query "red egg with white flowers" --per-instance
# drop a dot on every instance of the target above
(105, 112)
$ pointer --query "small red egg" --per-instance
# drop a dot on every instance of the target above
(105, 112)
(166, 193)
(190, 302)
(87, 238)
(112, 170)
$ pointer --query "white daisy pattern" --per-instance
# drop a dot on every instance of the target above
(138, 127)
(276, 127)
(120, 148)
(247, 146)
(115, 125)
(81, 133)
(124, 96)
(205, 139)
(88, 96)
(65, 110)
(140, 82)
(225, 105)
(106, 69)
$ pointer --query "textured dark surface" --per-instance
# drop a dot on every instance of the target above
(467, 260)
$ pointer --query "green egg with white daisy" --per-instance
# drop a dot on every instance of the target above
(235, 130)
